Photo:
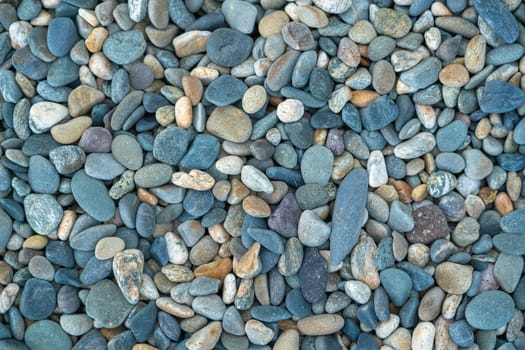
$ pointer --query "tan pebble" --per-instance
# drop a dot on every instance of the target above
(218, 233)
(475, 54)
(288, 340)
(453, 278)
(442, 337)
(474, 206)
(191, 42)
(6, 272)
(454, 75)
(230, 165)
(249, 265)
(71, 131)
(280, 190)
(144, 347)
(363, 98)
(483, 128)
(273, 23)
(256, 207)
(229, 123)
(388, 193)
(147, 197)
(402, 88)
(290, 110)
(342, 165)
(488, 195)
(170, 306)
(196, 180)
(427, 115)
(153, 62)
(440, 9)
(339, 99)
(205, 338)
(176, 273)
(254, 99)
(192, 87)
(513, 185)
(362, 262)
(217, 269)
(8, 297)
(36, 242)
(430, 305)
(205, 74)
(68, 220)
(100, 66)
(96, 38)
(221, 190)
(320, 136)
(503, 203)
(323, 324)
(108, 247)
(19, 34)
(419, 193)
(165, 115)
(238, 192)
(26, 85)
(385, 328)
(183, 112)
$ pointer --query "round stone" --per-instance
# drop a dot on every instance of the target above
(92, 196)
(170, 145)
(229, 123)
(38, 299)
(453, 278)
(47, 335)
(454, 75)
(124, 47)
(228, 47)
(489, 310)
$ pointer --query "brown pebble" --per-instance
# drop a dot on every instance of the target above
(475, 54)
(96, 38)
(238, 192)
(388, 193)
(36, 242)
(273, 23)
(363, 98)
(419, 193)
(147, 197)
(216, 269)
(249, 265)
(488, 195)
(403, 189)
(503, 203)
(191, 42)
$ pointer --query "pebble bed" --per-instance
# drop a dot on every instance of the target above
(325, 174)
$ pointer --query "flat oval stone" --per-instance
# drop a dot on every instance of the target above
(38, 299)
(47, 335)
(423, 74)
(345, 223)
(61, 36)
(225, 90)
(451, 137)
(42, 175)
(202, 153)
(316, 165)
(510, 243)
(489, 310)
(153, 175)
(499, 97)
(170, 145)
(415, 147)
(228, 47)
(322, 324)
(102, 166)
(92, 196)
(124, 47)
(106, 304)
(392, 23)
(379, 113)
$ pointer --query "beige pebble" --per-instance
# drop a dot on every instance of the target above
(423, 336)
(71, 131)
(256, 207)
(86, 77)
(183, 112)
(191, 42)
(100, 66)
(386, 328)
(348, 52)
(440, 9)
(26, 85)
(431, 303)
(230, 165)
(36, 242)
(192, 87)
(108, 247)
(205, 74)
(339, 99)
(153, 62)
(442, 336)
(453, 278)
(419, 193)
(419, 254)
(205, 338)
(217, 269)
(290, 110)
(258, 333)
(177, 251)
(96, 38)
(450, 306)
(42, 20)
(65, 226)
(218, 233)
(475, 54)
(8, 297)
(288, 340)
(196, 180)
(254, 99)
(363, 98)
(400, 340)
(249, 265)
(221, 190)
(147, 197)
(427, 115)
(165, 115)
(143, 347)
(168, 305)
(323, 324)
(312, 16)
(454, 75)
(273, 23)
(178, 274)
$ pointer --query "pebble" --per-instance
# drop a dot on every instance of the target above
(500, 20)
(61, 36)
(322, 324)
(46, 335)
(499, 96)
(496, 303)
(124, 47)
(453, 278)
(38, 299)
(228, 47)
(92, 195)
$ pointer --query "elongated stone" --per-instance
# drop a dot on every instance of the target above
(127, 268)
(500, 97)
(349, 208)
(499, 18)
